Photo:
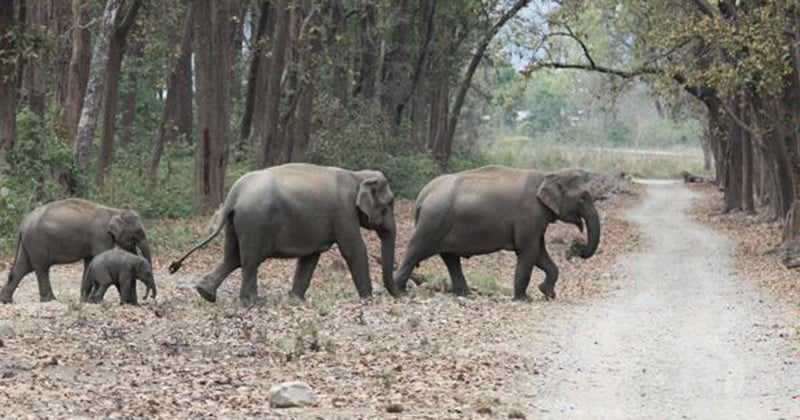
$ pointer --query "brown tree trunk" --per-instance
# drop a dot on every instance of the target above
(733, 156)
(211, 36)
(176, 79)
(78, 72)
(94, 89)
(365, 85)
(272, 145)
(33, 74)
(8, 76)
(117, 45)
(59, 68)
(748, 205)
(129, 98)
(258, 60)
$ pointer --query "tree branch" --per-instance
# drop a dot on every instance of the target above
(625, 74)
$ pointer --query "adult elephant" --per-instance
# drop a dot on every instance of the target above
(299, 210)
(70, 230)
(496, 208)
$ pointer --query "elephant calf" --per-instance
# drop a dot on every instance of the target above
(498, 208)
(120, 268)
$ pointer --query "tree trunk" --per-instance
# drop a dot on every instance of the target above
(129, 98)
(8, 76)
(94, 89)
(461, 95)
(59, 67)
(211, 33)
(272, 145)
(78, 72)
(169, 125)
(748, 205)
(365, 86)
(733, 156)
(117, 45)
(258, 60)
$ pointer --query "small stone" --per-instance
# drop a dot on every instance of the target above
(6, 330)
(291, 394)
(394, 408)
(516, 414)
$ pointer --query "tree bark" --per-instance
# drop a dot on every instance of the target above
(129, 98)
(272, 145)
(169, 125)
(211, 36)
(255, 84)
(748, 204)
(733, 181)
(33, 74)
(78, 73)
(365, 85)
(117, 46)
(8, 76)
(94, 89)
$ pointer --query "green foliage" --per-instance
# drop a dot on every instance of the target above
(35, 164)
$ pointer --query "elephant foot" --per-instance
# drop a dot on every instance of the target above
(522, 297)
(5, 299)
(250, 301)
(548, 291)
(47, 298)
(205, 294)
(461, 292)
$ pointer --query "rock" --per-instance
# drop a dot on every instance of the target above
(291, 394)
(6, 330)
(394, 408)
(516, 414)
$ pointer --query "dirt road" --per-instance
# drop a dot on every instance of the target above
(682, 336)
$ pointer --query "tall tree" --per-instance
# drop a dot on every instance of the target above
(8, 73)
(178, 78)
(94, 89)
(78, 74)
(117, 46)
(271, 140)
(211, 32)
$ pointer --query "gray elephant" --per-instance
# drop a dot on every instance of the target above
(66, 231)
(496, 208)
(119, 268)
(299, 210)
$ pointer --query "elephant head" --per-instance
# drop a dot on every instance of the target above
(128, 232)
(375, 203)
(567, 195)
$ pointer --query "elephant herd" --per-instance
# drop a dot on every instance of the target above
(300, 210)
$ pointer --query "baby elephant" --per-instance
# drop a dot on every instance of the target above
(120, 268)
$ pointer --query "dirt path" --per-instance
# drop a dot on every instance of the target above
(682, 337)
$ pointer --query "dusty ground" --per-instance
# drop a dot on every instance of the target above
(435, 355)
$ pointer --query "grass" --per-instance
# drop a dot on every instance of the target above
(669, 163)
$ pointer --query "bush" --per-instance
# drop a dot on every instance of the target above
(36, 163)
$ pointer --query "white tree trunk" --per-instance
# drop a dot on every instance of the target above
(94, 88)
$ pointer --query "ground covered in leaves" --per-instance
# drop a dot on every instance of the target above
(429, 354)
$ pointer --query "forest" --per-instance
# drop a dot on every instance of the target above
(159, 106)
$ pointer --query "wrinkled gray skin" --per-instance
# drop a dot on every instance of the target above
(119, 268)
(66, 231)
(496, 208)
(299, 210)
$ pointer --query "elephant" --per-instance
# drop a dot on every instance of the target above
(70, 230)
(120, 268)
(299, 210)
(494, 208)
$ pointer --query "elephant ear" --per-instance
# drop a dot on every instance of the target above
(370, 200)
(115, 227)
(550, 194)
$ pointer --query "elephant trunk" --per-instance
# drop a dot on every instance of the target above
(144, 246)
(589, 215)
(387, 237)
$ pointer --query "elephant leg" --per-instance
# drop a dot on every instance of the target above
(302, 274)
(522, 276)
(208, 285)
(43, 278)
(453, 263)
(20, 269)
(416, 252)
(547, 287)
(248, 294)
(127, 292)
(355, 254)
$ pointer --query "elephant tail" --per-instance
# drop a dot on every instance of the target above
(18, 253)
(224, 218)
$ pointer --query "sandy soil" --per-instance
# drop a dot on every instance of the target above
(681, 337)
